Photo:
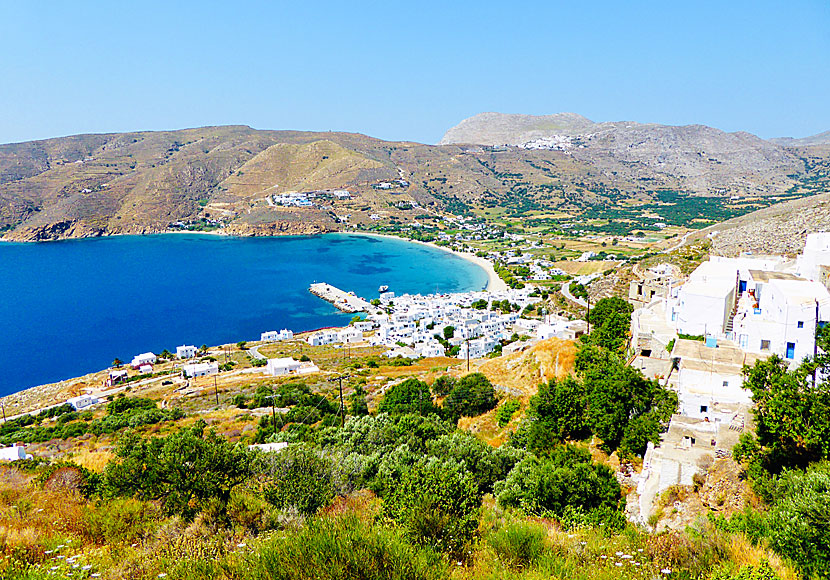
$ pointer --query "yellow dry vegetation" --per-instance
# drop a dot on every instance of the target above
(519, 374)
(93, 459)
(297, 167)
(523, 371)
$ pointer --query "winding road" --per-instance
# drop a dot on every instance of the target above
(566, 292)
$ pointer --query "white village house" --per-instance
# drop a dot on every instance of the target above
(146, 358)
(14, 453)
(185, 351)
(200, 369)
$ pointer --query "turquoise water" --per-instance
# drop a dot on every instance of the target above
(71, 307)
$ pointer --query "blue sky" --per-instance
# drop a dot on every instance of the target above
(409, 71)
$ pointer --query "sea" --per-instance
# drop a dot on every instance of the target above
(70, 307)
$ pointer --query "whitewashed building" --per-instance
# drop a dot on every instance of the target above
(274, 336)
(146, 358)
(185, 351)
(200, 369)
(14, 453)
(282, 366)
(82, 402)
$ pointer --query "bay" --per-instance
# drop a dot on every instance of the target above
(70, 307)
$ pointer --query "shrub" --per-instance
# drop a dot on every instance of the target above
(519, 544)
(409, 396)
(121, 521)
(342, 547)
(506, 411)
(437, 504)
(472, 395)
(300, 480)
(565, 480)
(183, 470)
(443, 385)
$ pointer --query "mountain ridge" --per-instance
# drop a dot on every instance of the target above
(141, 182)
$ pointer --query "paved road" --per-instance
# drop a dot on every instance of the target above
(566, 292)
(677, 246)
(100, 395)
(253, 352)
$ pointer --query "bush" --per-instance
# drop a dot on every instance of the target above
(410, 396)
(472, 395)
(342, 547)
(506, 411)
(437, 504)
(555, 485)
(519, 544)
(183, 470)
(443, 385)
(299, 479)
(121, 521)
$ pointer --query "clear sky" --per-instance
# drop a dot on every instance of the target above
(410, 70)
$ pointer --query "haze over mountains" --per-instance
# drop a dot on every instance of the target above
(89, 185)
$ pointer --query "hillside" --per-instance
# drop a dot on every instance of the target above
(818, 139)
(692, 157)
(778, 230)
(611, 176)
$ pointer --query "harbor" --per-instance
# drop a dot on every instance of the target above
(342, 300)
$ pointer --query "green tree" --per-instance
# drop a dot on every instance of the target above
(358, 405)
(183, 470)
(557, 413)
(792, 415)
(409, 396)
(472, 395)
(442, 386)
(437, 504)
(617, 394)
(564, 481)
(299, 478)
(449, 332)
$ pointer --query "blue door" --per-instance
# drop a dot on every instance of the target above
(790, 350)
(742, 286)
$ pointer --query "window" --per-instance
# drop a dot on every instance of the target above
(725, 383)
(800, 324)
(704, 408)
(764, 345)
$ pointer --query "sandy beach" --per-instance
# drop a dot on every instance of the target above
(494, 283)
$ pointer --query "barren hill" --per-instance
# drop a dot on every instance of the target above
(694, 157)
(778, 230)
(818, 139)
(141, 182)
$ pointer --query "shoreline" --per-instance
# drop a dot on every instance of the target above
(494, 283)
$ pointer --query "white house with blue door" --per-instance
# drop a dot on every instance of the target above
(778, 314)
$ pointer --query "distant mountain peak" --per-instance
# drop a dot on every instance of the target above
(817, 139)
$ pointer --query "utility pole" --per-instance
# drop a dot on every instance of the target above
(342, 406)
(273, 414)
(588, 316)
(468, 354)
(215, 390)
(3, 405)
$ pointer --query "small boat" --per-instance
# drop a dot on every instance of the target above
(383, 288)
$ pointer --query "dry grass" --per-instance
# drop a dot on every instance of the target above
(94, 460)
(743, 552)
(522, 372)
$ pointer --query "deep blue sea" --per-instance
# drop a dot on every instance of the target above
(70, 307)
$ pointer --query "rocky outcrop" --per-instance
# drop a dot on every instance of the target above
(778, 230)
(280, 228)
(61, 230)
(698, 158)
